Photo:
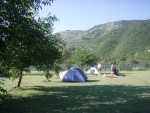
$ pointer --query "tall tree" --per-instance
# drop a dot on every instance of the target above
(66, 59)
(25, 41)
(83, 56)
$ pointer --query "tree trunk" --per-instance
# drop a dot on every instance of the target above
(20, 78)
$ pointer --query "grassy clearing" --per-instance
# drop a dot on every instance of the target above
(129, 94)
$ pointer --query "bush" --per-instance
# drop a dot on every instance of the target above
(138, 69)
(2, 90)
(121, 66)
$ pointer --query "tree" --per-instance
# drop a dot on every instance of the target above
(49, 69)
(84, 56)
(26, 41)
(66, 59)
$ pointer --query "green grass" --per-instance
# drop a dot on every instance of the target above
(128, 94)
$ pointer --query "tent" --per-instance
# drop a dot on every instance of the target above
(92, 71)
(61, 74)
(74, 75)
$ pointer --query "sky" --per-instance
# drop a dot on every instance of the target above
(85, 14)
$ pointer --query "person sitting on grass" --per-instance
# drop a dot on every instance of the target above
(114, 71)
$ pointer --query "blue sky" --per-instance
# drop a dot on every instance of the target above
(85, 14)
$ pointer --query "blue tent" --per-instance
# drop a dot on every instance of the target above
(74, 75)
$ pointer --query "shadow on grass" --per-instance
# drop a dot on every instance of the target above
(93, 80)
(81, 99)
(34, 74)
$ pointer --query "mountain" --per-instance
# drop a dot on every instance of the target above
(121, 40)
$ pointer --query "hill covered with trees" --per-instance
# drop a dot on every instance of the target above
(120, 41)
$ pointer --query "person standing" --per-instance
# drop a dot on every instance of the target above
(99, 66)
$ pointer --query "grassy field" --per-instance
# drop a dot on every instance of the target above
(128, 94)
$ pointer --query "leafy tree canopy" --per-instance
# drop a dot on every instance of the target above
(26, 41)
(84, 56)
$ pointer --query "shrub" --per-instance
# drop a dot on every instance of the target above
(138, 69)
(2, 90)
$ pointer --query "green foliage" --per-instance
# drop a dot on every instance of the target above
(84, 56)
(146, 65)
(47, 73)
(121, 66)
(66, 57)
(50, 70)
(56, 69)
(27, 41)
(120, 41)
(2, 90)
(14, 73)
(138, 69)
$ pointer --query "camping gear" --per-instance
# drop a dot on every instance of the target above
(92, 71)
(74, 75)
(112, 76)
(61, 74)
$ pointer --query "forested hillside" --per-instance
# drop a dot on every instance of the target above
(125, 40)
